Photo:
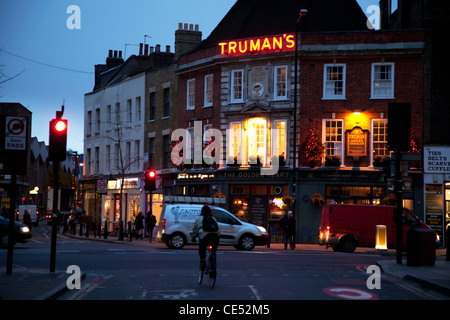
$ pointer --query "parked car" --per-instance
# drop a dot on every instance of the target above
(347, 226)
(177, 220)
(22, 233)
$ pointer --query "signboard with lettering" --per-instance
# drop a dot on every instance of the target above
(260, 45)
(436, 159)
(14, 139)
(434, 208)
(357, 142)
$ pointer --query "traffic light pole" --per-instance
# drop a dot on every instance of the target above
(55, 213)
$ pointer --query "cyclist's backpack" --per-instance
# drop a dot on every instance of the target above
(210, 224)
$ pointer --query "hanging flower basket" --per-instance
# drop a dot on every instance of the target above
(317, 200)
(288, 200)
(389, 200)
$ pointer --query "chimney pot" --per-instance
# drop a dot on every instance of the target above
(120, 54)
(141, 45)
(115, 53)
(168, 49)
(146, 50)
(158, 48)
(152, 50)
(191, 27)
(185, 26)
(196, 27)
(180, 25)
(110, 53)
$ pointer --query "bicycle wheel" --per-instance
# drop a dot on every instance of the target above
(212, 272)
(200, 274)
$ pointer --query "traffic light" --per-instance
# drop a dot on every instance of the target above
(150, 180)
(58, 140)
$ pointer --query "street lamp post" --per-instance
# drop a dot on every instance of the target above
(302, 13)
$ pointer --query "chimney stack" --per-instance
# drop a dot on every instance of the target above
(141, 45)
(186, 38)
(146, 50)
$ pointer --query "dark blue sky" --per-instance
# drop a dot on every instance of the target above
(37, 43)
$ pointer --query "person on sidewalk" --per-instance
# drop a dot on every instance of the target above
(139, 225)
(150, 222)
(287, 223)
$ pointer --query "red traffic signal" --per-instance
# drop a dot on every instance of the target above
(150, 180)
(57, 140)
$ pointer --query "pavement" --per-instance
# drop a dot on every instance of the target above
(41, 284)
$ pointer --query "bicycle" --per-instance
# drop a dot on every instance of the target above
(209, 268)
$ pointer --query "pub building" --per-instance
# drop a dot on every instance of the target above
(241, 80)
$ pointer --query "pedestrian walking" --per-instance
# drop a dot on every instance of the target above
(288, 223)
(139, 225)
(150, 222)
(27, 219)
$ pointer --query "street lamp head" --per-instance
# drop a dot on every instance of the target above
(303, 12)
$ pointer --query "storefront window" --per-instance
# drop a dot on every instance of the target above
(240, 208)
(355, 194)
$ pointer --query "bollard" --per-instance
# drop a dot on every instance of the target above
(381, 238)
(105, 231)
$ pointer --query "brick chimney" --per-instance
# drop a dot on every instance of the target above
(186, 38)
(113, 60)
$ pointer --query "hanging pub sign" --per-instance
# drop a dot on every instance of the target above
(260, 45)
(357, 142)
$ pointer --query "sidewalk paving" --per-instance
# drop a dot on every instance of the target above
(40, 284)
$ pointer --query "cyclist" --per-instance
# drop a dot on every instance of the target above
(206, 237)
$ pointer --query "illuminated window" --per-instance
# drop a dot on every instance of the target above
(382, 80)
(235, 138)
(190, 94)
(208, 90)
(237, 84)
(379, 137)
(280, 85)
(257, 137)
(334, 81)
(333, 137)
(279, 138)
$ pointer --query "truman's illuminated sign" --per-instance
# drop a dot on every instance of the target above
(261, 45)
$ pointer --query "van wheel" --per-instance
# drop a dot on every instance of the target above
(347, 245)
(177, 241)
(247, 242)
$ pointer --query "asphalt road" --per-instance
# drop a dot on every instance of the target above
(125, 272)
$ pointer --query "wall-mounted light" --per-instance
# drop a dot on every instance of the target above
(356, 112)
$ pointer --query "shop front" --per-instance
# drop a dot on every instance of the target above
(125, 208)
(250, 196)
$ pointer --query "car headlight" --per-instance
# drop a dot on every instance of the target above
(262, 229)
(25, 229)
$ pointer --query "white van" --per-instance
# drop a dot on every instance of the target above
(177, 221)
(32, 210)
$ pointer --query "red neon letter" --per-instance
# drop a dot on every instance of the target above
(266, 44)
(222, 47)
(243, 50)
(290, 40)
(255, 45)
(232, 47)
(277, 42)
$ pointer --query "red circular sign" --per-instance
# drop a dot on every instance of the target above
(16, 126)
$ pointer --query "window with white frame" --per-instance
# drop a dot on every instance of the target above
(108, 116)
(333, 135)
(279, 138)
(208, 90)
(89, 122)
(97, 119)
(257, 137)
(334, 81)
(129, 111)
(237, 86)
(382, 81)
(190, 103)
(138, 109)
(280, 83)
(379, 137)
(235, 142)
(137, 154)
